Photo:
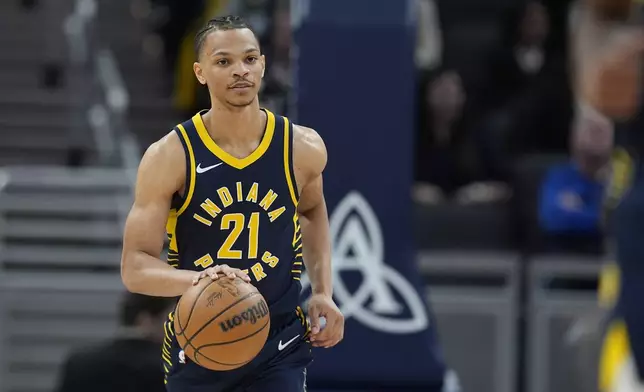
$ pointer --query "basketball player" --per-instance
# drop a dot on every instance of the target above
(239, 191)
(608, 60)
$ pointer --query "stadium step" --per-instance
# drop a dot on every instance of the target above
(48, 314)
(65, 231)
(65, 256)
(66, 205)
(12, 156)
(82, 181)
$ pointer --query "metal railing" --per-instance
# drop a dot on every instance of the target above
(79, 34)
(107, 99)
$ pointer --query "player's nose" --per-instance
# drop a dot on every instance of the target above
(241, 70)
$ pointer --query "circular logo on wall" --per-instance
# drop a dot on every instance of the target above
(358, 246)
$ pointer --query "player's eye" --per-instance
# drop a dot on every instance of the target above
(222, 62)
(251, 59)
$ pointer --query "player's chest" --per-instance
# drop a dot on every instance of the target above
(257, 196)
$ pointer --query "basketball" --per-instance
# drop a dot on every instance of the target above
(222, 324)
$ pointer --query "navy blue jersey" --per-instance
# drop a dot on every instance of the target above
(240, 212)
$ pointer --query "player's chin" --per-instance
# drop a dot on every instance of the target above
(241, 100)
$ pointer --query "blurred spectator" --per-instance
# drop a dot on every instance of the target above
(447, 165)
(439, 147)
(525, 101)
(175, 20)
(131, 362)
(276, 44)
(446, 161)
(572, 194)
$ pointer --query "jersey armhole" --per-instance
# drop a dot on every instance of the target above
(288, 161)
(179, 202)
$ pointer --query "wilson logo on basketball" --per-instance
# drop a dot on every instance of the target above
(250, 315)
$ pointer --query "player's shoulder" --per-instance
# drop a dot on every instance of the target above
(164, 160)
(309, 149)
(308, 139)
(168, 147)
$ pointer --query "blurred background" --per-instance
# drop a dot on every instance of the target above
(505, 189)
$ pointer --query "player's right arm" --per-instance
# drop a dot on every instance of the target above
(161, 173)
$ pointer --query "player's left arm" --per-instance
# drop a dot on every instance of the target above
(309, 159)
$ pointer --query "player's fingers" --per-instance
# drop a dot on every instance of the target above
(327, 343)
(314, 317)
(326, 333)
(197, 278)
(214, 272)
(227, 271)
(334, 323)
(335, 328)
(333, 343)
(234, 272)
(336, 334)
(318, 344)
(339, 335)
(241, 274)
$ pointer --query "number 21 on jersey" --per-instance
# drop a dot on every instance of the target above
(236, 223)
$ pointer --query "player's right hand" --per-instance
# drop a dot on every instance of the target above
(220, 271)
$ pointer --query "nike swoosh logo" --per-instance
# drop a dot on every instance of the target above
(205, 169)
(281, 346)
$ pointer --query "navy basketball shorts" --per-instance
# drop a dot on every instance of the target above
(280, 366)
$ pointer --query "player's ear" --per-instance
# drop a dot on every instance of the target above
(199, 73)
(263, 64)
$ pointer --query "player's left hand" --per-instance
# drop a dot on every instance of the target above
(321, 305)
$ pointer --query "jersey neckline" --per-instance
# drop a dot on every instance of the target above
(238, 163)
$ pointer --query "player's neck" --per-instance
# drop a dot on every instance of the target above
(243, 124)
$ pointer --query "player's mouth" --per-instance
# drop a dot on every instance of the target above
(241, 86)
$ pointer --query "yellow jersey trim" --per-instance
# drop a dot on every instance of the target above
(173, 248)
(166, 348)
(191, 156)
(615, 352)
(287, 166)
(609, 285)
(237, 163)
